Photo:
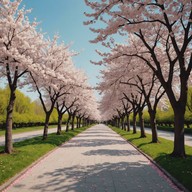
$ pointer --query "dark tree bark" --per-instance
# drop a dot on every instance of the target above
(136, 104)
(152, 106)
(77, 125)
(46, 125)
(13, 76)
(87, 122)
(134, 122)
(115, 122)
(61, 110)
(118, 122)
(59, 123)
(128, 122)
(80, 121)
(179, 141)
(153, 124)
(122, 122)
(141, 122)
(9, 116)
(68, 121)
(73, 121)
(179, 107)
(9, 122)
(127, 110)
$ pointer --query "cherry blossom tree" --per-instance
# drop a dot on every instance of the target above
(82, 102)
(140, 76)
(164, 25)
(59, 74)
(118, 72)
(19, 43)
(106, 108)
(112, 107)
(128, 110)
(89, 107)
(62, 108)
(69, 100)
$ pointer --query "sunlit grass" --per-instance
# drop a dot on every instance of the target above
(180, 168)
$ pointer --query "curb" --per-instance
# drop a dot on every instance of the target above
(167, 174)
(5, 186)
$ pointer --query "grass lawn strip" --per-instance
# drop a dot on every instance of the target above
(26, 129)
(179, 168)
(28, 151)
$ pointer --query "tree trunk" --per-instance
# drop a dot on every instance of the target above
(134, 123)
(83, 122)
(115, 122)
(9, 123)
(179, 141)
(124, 126)
(77, 125)
(141, 122)
(80, 122)
(87, 122)
(128, 123)
(122, 122)
(46, 125)
(118, 122)
(153, 126)
(59, 123)
(72, 122)
(179, 108)
(68, 121)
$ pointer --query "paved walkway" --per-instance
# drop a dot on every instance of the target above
(97, 160)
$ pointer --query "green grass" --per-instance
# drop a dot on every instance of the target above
(26, 129)
(28, 151)
(179, 168)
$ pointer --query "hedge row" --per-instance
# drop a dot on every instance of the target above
(21, 125)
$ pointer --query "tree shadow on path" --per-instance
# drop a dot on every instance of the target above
(115, 177)
(112, 152)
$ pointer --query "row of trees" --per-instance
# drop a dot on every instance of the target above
(27, 57)
(156, 59)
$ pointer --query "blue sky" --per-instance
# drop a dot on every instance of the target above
(66, 18)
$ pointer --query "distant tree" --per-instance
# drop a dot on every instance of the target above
(59, 74)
